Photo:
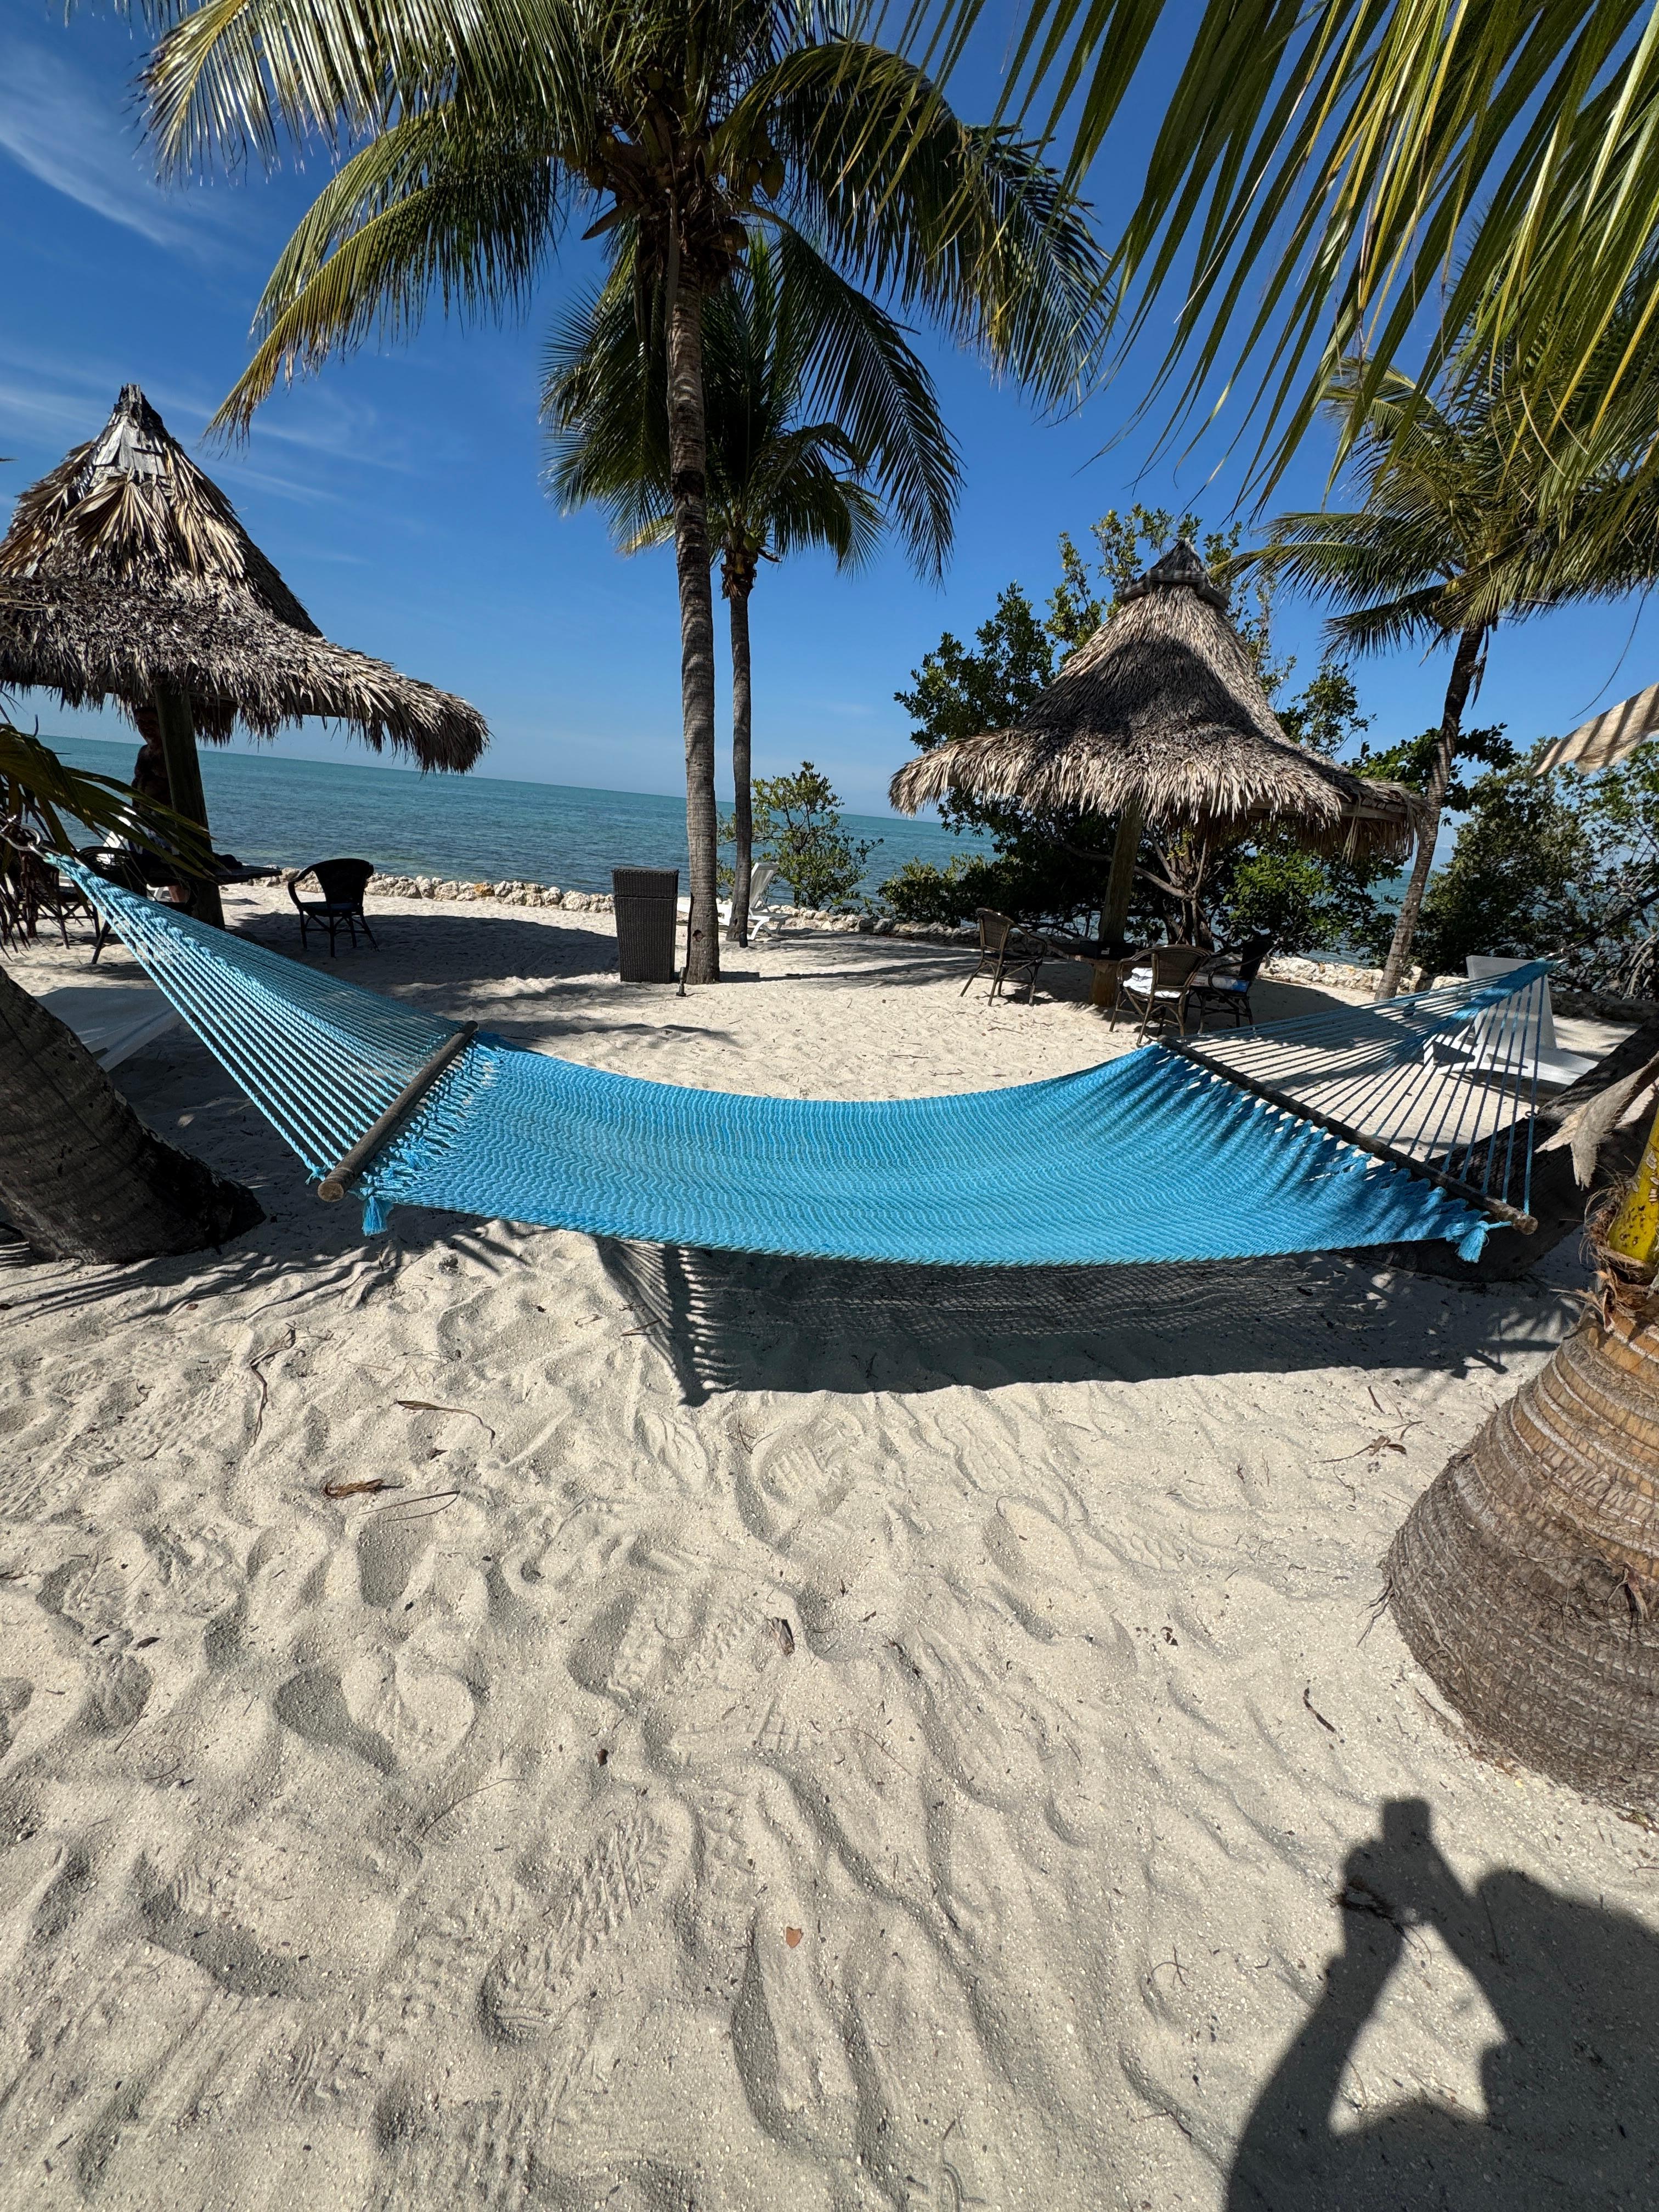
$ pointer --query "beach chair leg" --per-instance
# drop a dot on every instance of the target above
(368, 932)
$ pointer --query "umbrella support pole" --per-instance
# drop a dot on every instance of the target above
(184, 767)
(1120, 883)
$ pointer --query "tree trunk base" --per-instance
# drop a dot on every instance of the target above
(81, 1176)
(1526, 1578)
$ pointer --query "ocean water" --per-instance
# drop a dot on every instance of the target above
(271, 807)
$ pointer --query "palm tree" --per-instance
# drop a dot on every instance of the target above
(1526, 1578)
(1456, 533)
(81, 1176)
(482, 125)
(1322, 168)
(787, 339)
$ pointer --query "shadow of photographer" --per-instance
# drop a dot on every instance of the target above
(1571, 2090)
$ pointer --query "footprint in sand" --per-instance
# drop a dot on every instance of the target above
(312, 1704)
(389, 1550)
(538, 1977)
(420, 1710)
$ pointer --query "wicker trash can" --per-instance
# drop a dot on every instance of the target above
(646, 902)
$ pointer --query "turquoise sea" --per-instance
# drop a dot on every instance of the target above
(271, 807)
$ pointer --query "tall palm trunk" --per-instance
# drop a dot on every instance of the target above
(689, 486)
(1465, 661)
(739, 581)
(81, 1176)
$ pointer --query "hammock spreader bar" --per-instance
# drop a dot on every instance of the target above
(335, 1183)
(1510, 1217)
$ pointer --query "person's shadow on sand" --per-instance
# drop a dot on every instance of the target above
(1571, 2091)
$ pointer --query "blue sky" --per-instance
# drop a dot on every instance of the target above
(400, 492)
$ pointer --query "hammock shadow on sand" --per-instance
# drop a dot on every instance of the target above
(1569, 2086)
(731, 1322)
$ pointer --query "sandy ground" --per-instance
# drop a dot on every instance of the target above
(785, 1736)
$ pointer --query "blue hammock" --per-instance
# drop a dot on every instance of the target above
(1220, 1149)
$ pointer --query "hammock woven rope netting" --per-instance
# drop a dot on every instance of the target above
(1166, 1152)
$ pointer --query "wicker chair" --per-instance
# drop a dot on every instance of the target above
(1223, 985)
(1005, 949)
(342, 884)
(1157, 990)
(118, 865)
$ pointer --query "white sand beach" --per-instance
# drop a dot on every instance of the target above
(492, 1720)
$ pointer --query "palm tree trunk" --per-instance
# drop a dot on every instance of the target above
(1465, 661)
(184, 767)
(1526, 1578)
(688, 483)
(743, 809)
(81, 1176)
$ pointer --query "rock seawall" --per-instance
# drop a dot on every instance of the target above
(548, 895)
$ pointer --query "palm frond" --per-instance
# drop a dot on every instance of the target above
(969, 224)
(819, 417)
(40, 795)
(432, 208)
(1323, 172)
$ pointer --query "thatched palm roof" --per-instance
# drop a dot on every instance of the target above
(125, 570)
(1161, 709)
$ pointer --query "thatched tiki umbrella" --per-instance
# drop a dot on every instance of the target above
(1160, 721)
(126, 575)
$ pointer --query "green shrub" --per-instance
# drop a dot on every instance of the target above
(923, 892)
(798, 825)
(1305, 902)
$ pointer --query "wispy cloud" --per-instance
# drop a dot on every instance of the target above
(57, 399)
(70, 133)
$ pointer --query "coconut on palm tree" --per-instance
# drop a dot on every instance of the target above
(823, 427)
(1454, 533)
(481, 129)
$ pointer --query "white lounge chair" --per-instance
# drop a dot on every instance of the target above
(762, 877)
(1525, 1026)
(111, 1024)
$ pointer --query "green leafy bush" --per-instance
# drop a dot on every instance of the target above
(1522, 880)
(1305, 902)
(798, 825)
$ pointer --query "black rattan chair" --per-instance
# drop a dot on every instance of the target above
(118, 865)
(342, 884)
(1157, 990)
(1007, 952)
(1223, 986)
